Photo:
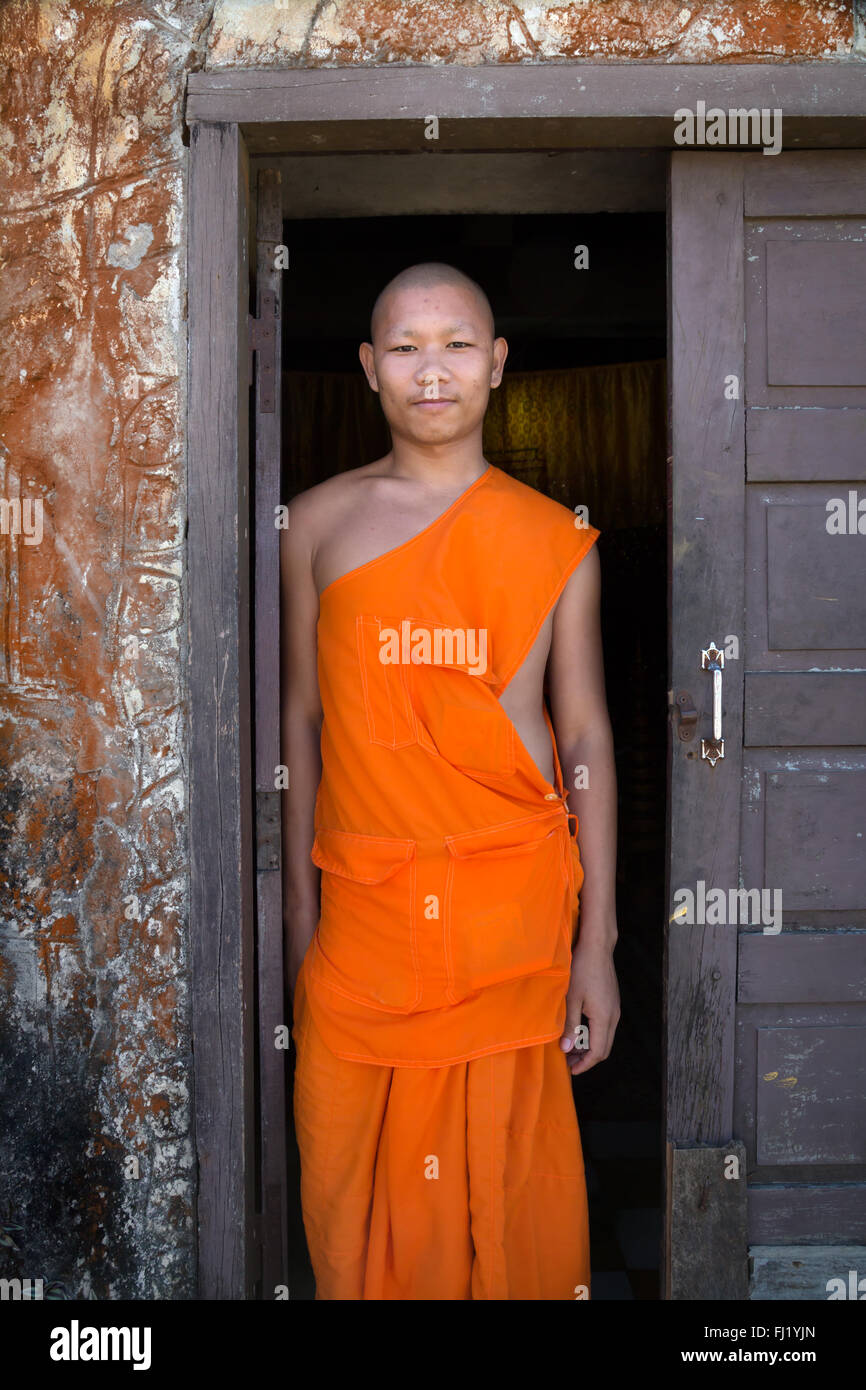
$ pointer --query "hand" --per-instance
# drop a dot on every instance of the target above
(593, 991)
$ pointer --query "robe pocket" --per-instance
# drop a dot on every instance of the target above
(508, 904)
(387, 703)
(366, 933)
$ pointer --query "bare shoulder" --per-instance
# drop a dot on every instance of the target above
(314, 512)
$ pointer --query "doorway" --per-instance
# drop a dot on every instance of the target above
(582, 416)
(571, 138)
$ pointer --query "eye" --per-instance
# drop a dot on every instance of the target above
(459, 343)
(403, 347)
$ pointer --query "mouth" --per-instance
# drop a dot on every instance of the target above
(438, 400)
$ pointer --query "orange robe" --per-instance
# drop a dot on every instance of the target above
(440, 1153)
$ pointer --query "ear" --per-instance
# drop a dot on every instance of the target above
(500, 352)
(365, 352)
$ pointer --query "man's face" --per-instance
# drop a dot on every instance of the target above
(433, 361)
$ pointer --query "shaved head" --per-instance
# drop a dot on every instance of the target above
(430, 275)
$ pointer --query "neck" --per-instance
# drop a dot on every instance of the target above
(447, 466)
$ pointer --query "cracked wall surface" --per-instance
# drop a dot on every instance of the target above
(298, 33)
(97, 1147)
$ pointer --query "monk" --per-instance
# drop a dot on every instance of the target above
(449, 921)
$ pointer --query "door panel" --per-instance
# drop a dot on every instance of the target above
(759, 486)
(800, 1069)
(814, 334)
(805, 708)
(804, 445)
(805, 596)
(810, 1081)
(803, 326)
(801, 825)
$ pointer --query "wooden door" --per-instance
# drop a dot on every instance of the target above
(766, 991)
(272, 1022)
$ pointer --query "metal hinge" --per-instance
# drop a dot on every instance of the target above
(268, 854)
(263, 342)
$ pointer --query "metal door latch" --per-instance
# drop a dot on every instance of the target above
(687, 715)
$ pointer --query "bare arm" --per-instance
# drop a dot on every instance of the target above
(300, 730)
(584, 739)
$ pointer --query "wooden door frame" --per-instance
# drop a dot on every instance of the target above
(232, 115)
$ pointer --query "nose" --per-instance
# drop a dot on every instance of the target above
(431, 385)
(431, 375)
(428, 370)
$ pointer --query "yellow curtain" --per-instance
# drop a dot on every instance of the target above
(331, 421)
(593, 436)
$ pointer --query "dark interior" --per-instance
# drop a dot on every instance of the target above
(553, 317)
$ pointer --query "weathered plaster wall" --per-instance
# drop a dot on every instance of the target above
(95, 1042)
(302, 32)
(95, 1059)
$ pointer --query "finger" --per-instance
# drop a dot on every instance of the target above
(579, 1042)
(573, 1039)
(571, 1027)
(601, 1039)
(587, 1055)
(583, 1062)
(574, 1004)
